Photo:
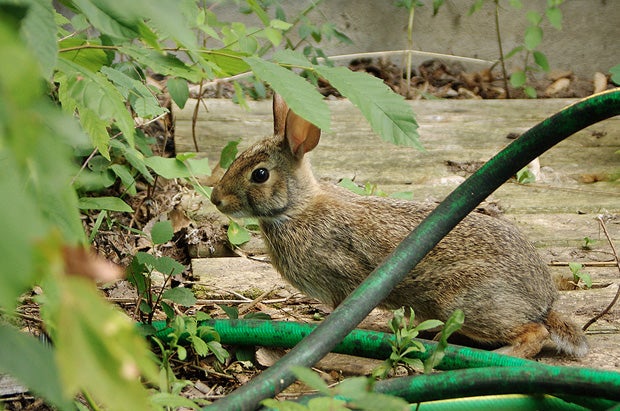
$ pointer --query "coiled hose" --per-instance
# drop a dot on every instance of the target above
(422, 239)
(473, 372)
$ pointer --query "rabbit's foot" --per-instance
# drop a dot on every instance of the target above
(526, 340)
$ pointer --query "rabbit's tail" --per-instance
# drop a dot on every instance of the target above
(568, 337)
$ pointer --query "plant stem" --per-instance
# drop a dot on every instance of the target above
(501, 50)
(617, 259)
(409, 48)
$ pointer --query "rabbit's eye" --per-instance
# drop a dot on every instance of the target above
(260, 175)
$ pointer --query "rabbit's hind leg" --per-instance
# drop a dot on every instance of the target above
(526, 340)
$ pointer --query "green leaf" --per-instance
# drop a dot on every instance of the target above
(172, 168)
(532, 37)
(525, 176)
(180, 295)
(19, 352)
(220, 353)
(99, 348)
(162, 232)
(104, 203)
(477, 5)
(122, 172)
(516, 4)
(300, 96)
(513, 52)
(283, 405)
(168, 266)
(517, 79)
(388, 113)
(179, 91)
(39, 30)
(229, 153)
(428, 324)
(615, 74)
(237, 234)
(280, 25)
(166, 64)
(228, 62)
(172, 401)
(554, 14)
(141, 98)
(533, 17)
(310, 378)
(530, 91)
(95, 92)
(231, 311)
(541, 59)
(77, 51)
(97, 130)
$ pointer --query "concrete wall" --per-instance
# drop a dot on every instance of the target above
(588, 42)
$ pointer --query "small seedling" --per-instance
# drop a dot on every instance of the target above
(581, 279)
(587, 243)
(525, 176)
(405, 343)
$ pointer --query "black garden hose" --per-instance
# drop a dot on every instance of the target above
(423, 239)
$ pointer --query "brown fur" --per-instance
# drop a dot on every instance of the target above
(325, 240)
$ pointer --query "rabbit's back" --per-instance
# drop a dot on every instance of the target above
(484, 266)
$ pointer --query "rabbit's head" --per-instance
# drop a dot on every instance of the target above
(272, 177)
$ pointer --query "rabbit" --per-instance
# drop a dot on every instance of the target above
(325, 240)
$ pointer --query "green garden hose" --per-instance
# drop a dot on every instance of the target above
(481, 372)
(423, 239)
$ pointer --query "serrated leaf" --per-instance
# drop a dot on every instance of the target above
(237, 234)
(97, 130)
(104, 203)
(532, 37)
(166, 64)
(141, 98)
(300, 96)
(95, 92)
(179, 91)
(388, 113)
(39, 30)
(75, 50)
(162, 232)
(291, 57)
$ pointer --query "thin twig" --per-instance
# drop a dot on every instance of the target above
(615, 299)
(501, 50)
(584, 263)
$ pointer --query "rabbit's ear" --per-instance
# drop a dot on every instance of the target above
(280, 110)
(302, 135)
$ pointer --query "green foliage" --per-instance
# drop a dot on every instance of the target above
(579, 276)
(72, 89)
(405, 342)
(525, 176)
(615, 74)
(351, 394)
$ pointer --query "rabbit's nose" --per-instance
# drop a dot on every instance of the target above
(216, 197)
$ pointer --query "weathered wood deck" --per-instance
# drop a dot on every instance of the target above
(556, 212)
